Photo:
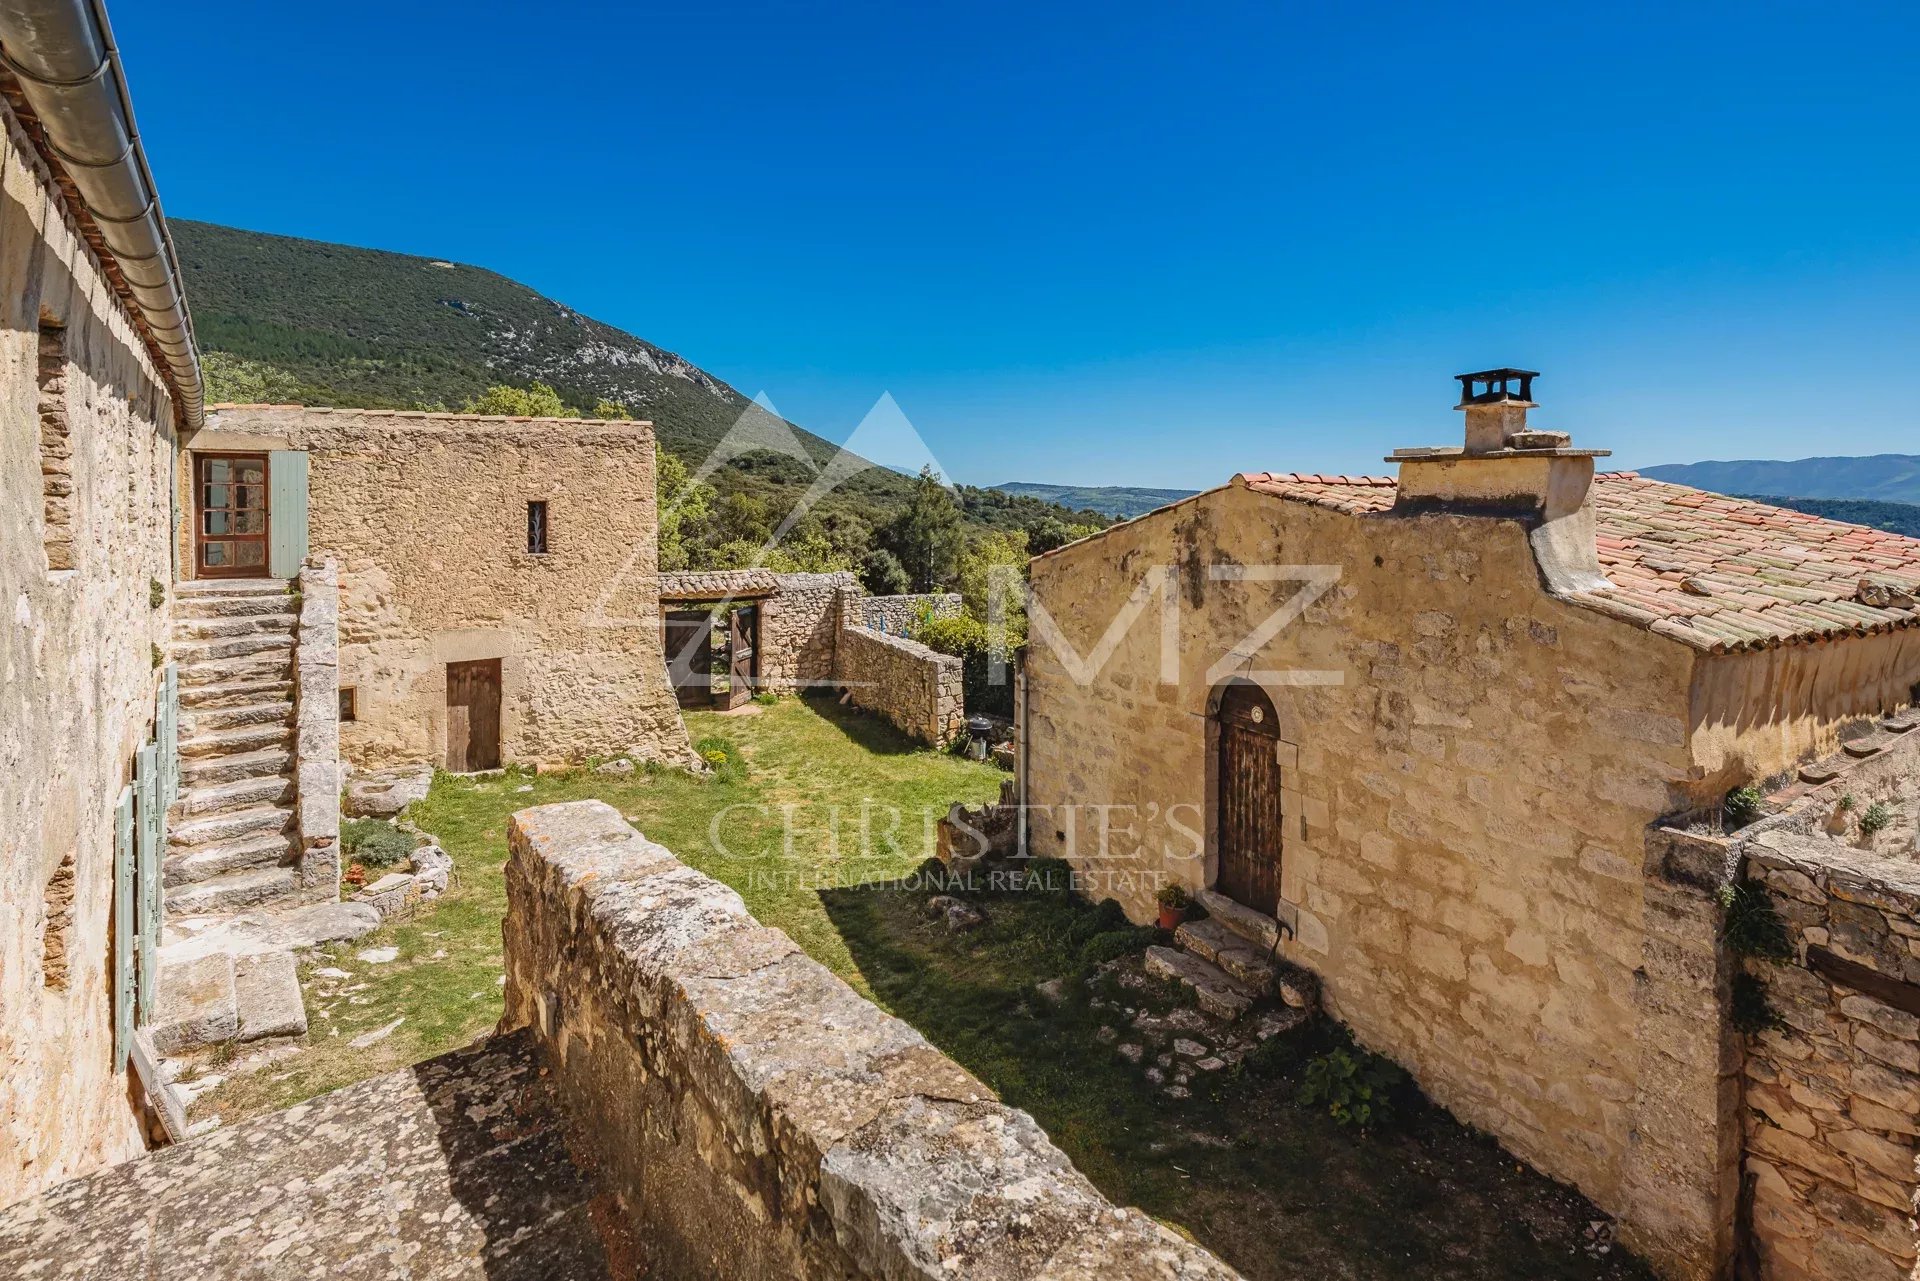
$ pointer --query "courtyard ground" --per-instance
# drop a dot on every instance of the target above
(821, 817)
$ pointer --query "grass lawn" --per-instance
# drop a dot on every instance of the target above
(1268, 1181)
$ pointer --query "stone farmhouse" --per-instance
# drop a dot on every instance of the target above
(1441, 737)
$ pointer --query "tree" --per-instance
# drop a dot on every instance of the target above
(882, 574)
(927, 535)
(742, 518)
(536, 400)
(685, 507)
(610, 409)
(999, 555)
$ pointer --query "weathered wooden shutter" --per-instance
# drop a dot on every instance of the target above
(123, 931)
(286, 512)
(149, 839)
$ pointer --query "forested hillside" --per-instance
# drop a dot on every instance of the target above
(283, 319)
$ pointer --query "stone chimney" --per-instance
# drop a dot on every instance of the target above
(1507, 468)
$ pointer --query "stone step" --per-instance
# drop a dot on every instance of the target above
(245, 625)
(230, 825)
(271, 665)
(206, 770)
(202, 863)
(205, 720)
(237, 693)
(217, 798)
(204, 587)
(232, 891)
(187, 652)
(1259, 929)
(1218, 993)
(228, 742)
(216, 997)
(185, 607)
(1213, 942)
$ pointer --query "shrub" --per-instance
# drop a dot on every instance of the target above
(1355, 1087)
(724, 758)
(1751, 926)
(1749, 1010)
(1049, 876)
(1741, 806)
(372, 843)
(1847, 802)
(966, 638)
(1103, 919)
(1110, 945)
(766, 698)
(1878, 815)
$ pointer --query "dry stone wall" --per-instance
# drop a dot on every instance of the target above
(316, 744)
(799, 630)
(899, 615)
(918, 690)
(752, 1114)
(82, 549)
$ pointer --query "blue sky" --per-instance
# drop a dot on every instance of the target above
(1146, 245)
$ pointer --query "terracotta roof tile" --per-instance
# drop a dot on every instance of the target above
(718, 584)
(1712, 571)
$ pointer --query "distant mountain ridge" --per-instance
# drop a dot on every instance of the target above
(1122, 502)
(1886, 478)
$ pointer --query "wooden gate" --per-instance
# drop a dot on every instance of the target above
(473, 716)
(689, 643)
(1250, 820)
(743, 660)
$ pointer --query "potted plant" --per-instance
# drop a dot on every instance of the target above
(1174, 901)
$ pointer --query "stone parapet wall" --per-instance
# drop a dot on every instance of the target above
(752, 1115)
(1833, 1095)
(316, 744)
(917, 689)
(899, 615)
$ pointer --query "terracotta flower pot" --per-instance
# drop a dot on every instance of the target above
(1170, 917)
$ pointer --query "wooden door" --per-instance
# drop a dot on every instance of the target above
(230, 515)
(473, 716)
(1250, 820)
(743, 658)
(688, 636)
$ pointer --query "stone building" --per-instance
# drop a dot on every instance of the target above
(98, 379)
(498, 585)
(1421, 725)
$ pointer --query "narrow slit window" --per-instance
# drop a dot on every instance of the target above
(349, 704)
(537, 528)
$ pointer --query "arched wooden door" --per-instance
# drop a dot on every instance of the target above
(1249, 821)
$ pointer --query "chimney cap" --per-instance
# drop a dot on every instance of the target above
(1498, 387)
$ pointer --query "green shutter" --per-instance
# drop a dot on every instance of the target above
(123, 932)
(286, 512)
(151, 833)
(166, 732)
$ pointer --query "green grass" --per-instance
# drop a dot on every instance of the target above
(1268, 1181)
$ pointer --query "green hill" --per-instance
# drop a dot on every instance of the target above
(1122, 502)
(288, 320)
(1895, 518)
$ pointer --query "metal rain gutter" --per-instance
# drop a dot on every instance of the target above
(63, 55)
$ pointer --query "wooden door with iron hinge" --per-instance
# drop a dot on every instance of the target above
(473, 716)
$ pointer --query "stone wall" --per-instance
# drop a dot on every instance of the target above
(84, 462)
(1469, 767)
(799, 629)
(753, 1115)
(426, 515)
(899, 615)
(316, 744)
(918, 690)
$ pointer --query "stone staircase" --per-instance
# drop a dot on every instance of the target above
(1230, 961)
(232, 843)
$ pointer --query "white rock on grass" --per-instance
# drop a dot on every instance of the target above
(377, 955)
(378, 1034)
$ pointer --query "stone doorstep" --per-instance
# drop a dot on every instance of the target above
(267, 930)
(1259, 929)
(1213, 942)
(202, 588)
(1218, 992)
(218, 997)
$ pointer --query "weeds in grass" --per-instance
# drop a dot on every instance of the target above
(1878, 815)
(373, 843)
(1356, 1087)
